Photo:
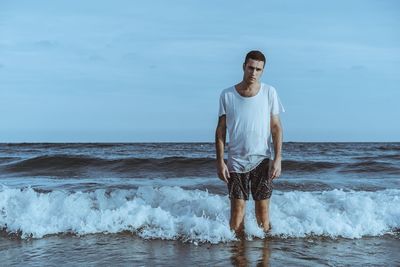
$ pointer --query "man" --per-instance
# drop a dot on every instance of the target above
(250, 112)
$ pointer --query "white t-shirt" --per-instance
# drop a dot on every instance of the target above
(248, 124)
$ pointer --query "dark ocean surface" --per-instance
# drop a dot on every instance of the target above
(335, 204)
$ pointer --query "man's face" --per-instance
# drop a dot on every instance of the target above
(253, 70)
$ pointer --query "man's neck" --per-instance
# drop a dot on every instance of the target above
(246, 89)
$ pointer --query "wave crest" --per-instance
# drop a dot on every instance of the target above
(195, 215)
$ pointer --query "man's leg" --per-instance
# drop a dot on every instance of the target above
(238, 186)
(238, 207)
(262, 213)
(261, 189)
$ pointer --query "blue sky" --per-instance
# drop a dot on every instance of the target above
(133, 71)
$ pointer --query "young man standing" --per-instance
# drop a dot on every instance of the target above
(250, 112)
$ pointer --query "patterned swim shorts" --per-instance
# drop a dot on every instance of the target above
(261, 186)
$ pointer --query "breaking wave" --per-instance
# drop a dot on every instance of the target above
(194, 215)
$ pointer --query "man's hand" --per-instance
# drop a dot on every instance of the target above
(276, 168)
(223, 172)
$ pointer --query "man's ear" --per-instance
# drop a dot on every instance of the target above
(244, 66)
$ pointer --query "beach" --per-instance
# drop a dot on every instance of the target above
(161, 204)
(125, 249)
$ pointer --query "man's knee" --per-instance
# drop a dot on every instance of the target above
(262, 207)
(238, 205)
(237, 213)
(262, 204)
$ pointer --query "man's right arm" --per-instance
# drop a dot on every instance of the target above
(220, 140)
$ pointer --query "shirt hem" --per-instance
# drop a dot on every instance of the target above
(252, 168)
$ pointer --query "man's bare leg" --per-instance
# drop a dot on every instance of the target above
(262, 214)
(238, 207)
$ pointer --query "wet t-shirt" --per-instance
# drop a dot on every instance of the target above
(248, 125)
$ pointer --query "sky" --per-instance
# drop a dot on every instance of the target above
(152, 71)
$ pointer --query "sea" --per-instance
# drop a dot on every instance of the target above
(162, 204)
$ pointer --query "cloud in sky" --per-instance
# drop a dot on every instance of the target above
(141, 71)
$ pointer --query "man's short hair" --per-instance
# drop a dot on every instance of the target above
(255, 55)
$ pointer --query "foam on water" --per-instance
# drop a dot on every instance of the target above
(193, 215)
(336, 213)
(52, 183)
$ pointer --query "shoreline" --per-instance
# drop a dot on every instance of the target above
(126, 248)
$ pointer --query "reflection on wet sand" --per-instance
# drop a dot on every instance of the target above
(240, 253)
(266, 254)
(127, 249)
(238, 257)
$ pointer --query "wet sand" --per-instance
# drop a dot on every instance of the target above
(128, 250)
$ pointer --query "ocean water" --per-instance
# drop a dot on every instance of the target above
(152, 204)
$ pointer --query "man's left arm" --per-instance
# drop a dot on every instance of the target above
(276, 130)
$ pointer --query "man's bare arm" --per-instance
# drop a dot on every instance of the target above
(277, 136)
(220, 141)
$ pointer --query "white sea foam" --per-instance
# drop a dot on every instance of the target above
(194, 215)
(105, 182)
